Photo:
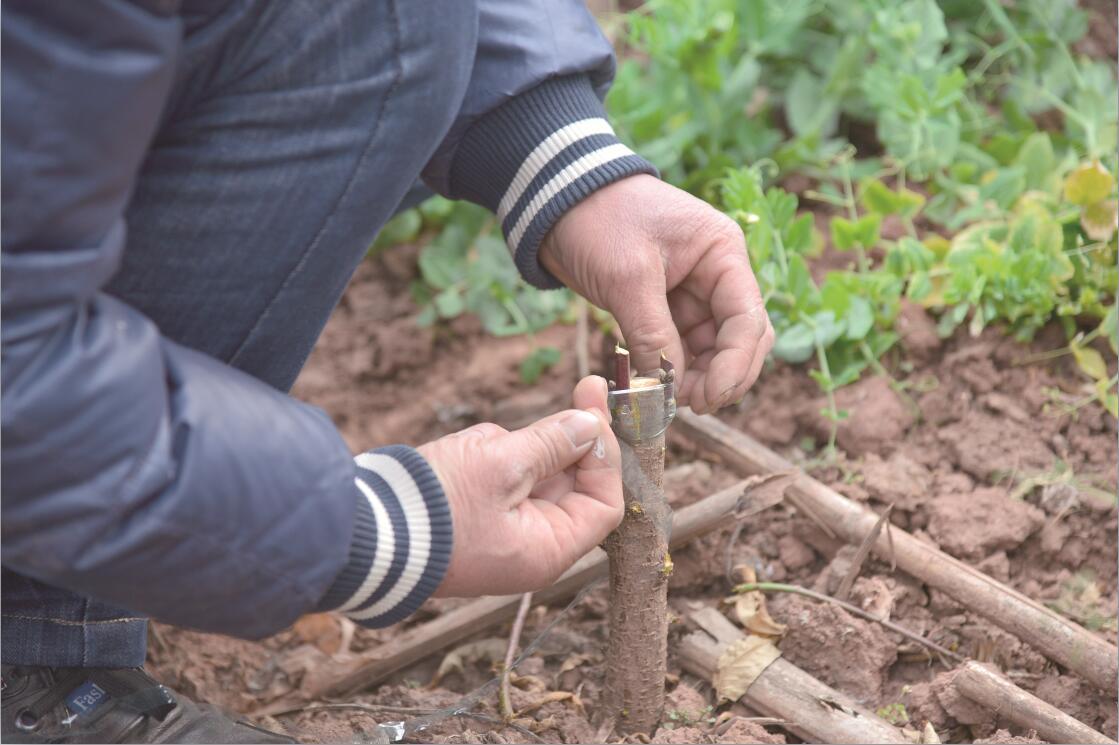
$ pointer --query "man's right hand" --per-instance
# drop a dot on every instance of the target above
(527, 504)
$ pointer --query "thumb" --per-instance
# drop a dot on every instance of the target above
(544, 448)
(648, 330)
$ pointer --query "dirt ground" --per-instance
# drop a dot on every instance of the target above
(954, 442)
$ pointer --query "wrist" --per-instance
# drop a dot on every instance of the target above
(401, 542)
(537, 156)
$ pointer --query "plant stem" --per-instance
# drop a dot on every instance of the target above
(829, 391)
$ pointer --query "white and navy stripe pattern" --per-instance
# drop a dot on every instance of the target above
(402, 539)
(537, 156)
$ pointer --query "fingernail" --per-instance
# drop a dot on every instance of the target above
(581, 428)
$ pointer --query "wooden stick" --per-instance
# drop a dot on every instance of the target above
(812, 710)
(1058, 638)
(987, 687)
(458, 624)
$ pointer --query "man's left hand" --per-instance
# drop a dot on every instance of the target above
(675, 274)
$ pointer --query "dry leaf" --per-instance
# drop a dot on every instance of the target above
(551, 697)
(1100, 220)
(321, 629)
(929, 736)
(741, 664)
(489, 650)
(762, 491)
(750, 610)
(530, 683)
(578, 660)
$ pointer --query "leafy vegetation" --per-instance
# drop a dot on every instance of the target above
(960, 152)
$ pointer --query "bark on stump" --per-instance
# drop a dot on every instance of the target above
(639, 560)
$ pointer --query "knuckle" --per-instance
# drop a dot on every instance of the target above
(769, 337)
(646, 336)
(481, 431)
(725, 231)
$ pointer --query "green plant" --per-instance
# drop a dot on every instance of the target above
(466, 268)
(894, 714)
(973, 125)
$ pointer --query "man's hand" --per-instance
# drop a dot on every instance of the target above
(527, 504)
(674, 272)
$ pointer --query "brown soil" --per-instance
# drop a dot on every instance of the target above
(948, 442)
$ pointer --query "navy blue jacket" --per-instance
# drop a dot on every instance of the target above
(149, 475)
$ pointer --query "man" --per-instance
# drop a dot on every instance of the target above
(187, 189)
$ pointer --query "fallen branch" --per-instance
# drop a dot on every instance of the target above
(1056, 637)
(453, 626)
(812, 710)
(853, 610)
(987, 687)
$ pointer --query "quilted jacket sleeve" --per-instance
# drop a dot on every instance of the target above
(136, 470)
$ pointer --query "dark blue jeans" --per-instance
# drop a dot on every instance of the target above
(294, 132)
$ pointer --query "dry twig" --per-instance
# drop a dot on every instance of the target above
(511, 654)
(844, 590)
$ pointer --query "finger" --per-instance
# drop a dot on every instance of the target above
(691, 390)
(723, 274)
(649, 330)
(545, 448)
(590, 395)
(579, 521)
(759, 359)
(688, 311)
(702, 338)
(550, 490)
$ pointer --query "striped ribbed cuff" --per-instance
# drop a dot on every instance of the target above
(401, 543)
(537, 156)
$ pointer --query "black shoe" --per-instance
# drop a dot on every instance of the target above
(55, 704)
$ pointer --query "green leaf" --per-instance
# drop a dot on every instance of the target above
(1109, 328)
(859, 318)
(1089, 184)
(1037, 160)
(540, 360)
(843, 234)
(795, 344)
(401, 229)
(878, 198)
(449, 303)
(807, 109)
(863, 232)
(827, 328)
(436, 210)
(1089, 360)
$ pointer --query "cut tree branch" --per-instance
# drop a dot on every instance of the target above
(637, 652)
